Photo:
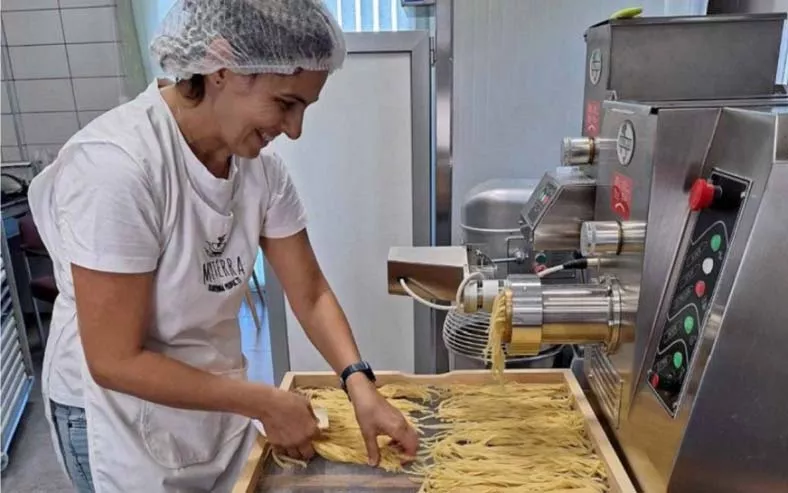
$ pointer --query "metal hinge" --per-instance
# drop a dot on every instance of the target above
(433, 55)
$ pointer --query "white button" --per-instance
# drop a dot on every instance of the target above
(708, 265)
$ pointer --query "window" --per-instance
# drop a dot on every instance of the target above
(372, 15)
(782, 66)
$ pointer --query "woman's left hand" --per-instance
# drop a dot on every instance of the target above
(377, 417)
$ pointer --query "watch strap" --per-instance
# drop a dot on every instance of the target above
(362, 367)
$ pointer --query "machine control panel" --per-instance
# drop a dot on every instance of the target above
(540, 199)
(717, 215)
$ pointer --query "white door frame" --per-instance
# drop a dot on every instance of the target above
(417, 45)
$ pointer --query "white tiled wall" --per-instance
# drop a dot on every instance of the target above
(97, 93)
(101, 22)
(38, 27)
(94, 60)
(61, 68)
(44, 95)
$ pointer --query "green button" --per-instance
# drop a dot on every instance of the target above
(689, 324)
(541, 258)
(678, 359)
(716, 242)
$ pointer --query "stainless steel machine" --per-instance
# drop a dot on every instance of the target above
(678, 58)
(677, 207)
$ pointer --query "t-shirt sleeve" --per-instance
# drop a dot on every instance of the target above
(285, 214)
(107, 214)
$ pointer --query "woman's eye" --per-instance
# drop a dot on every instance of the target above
(285, 105)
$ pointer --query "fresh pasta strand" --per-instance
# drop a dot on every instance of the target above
(512, 437)
(343, 440)
(476, 438)
(493, 351)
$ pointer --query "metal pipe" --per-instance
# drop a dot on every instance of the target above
(572, 314)
(571, 304)
(526, 301)
(561, 314)
(551, 314)
(575, 333)
(560, 237)
(577, 151)
(607, 238)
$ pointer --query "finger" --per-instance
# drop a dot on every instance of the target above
(371, 442)
(293, 453)
(406, 437)
(306, 450)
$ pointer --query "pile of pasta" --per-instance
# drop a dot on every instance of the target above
(476, 438)
(343, 441)
(516, 437)
(512, 437)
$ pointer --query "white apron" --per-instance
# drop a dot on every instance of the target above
(207, 263)
(138, 446)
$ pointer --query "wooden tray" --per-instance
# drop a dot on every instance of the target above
(253, 473)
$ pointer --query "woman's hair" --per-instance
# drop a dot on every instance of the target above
(192, 89)
(199, 37)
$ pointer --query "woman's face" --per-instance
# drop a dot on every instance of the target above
(252, 110)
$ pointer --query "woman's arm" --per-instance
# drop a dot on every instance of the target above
(326, 326)
(311, 298)
(114, 313)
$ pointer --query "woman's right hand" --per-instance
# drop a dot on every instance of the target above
(290, 424)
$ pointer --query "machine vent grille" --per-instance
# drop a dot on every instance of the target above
(605, 382)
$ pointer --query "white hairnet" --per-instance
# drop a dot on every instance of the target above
(248, 37)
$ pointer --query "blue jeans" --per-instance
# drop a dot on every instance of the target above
(72, 432)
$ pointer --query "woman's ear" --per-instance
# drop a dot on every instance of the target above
(217, 79)
(219, 51)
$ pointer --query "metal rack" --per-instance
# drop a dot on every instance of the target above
(17, 365)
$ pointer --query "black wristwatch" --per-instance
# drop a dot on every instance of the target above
(361, 366)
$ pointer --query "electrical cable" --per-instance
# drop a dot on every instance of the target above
(457, 297)
(421, 300)
(579, 263)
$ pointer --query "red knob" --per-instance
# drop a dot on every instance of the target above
(702, 194)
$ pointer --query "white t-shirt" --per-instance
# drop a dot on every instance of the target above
(127, 195)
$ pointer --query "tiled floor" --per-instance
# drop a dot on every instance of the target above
(33, 467)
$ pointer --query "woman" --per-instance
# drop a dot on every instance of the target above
(153, 214)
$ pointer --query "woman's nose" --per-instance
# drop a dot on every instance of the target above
(292, 126)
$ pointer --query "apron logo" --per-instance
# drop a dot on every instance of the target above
(216, 248)
(221, 273)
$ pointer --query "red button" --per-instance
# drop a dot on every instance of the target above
(701, 194)
(700, 289)
(655, 380)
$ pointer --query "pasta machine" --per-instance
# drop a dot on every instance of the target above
(677, 208)
(677, 302)
(682, 314)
